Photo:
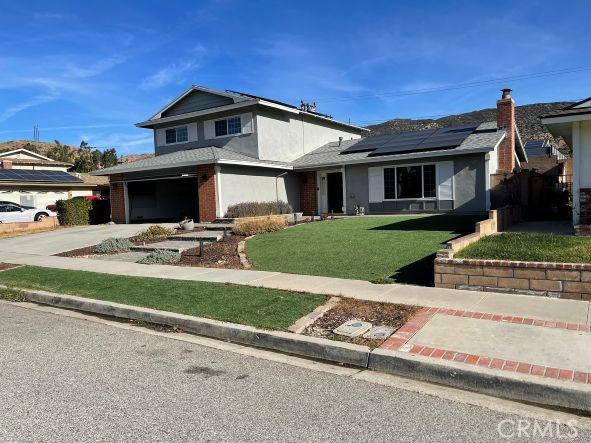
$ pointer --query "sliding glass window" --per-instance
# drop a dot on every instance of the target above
(410, 182)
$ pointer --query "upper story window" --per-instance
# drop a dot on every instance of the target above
(177, 135)
(228, 126)
(410, 182)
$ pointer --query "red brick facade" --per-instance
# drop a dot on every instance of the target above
(117, 198)
(308, 192)
(506, 119)
(207, 193)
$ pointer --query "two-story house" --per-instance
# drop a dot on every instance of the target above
(214, 149)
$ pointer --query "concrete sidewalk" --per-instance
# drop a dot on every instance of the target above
(487, 302)
(547, 350)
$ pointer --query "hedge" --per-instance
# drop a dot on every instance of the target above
(255, 209)
(73, 212)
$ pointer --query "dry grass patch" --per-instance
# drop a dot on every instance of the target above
(259, 225)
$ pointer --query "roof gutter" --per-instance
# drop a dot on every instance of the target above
(192, 163)
(384, 159)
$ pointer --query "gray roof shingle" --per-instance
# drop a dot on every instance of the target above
(188, 157)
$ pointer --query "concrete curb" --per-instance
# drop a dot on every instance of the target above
(318, 348)
(514, 386)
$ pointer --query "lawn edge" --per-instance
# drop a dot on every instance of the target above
(287, 342)
(520, 387)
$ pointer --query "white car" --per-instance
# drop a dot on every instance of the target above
(14, 213)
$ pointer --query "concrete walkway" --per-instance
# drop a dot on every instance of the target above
(546, 227)
(527, 306)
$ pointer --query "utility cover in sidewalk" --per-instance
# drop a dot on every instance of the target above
(353, 328)
(379, 333)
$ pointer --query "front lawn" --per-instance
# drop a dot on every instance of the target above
(265, 308)
(389, 248)
(528, 246)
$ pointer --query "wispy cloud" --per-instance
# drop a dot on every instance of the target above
(15, 109)
(47, 15)
(125, 143)
(176, 72)
(97, 68)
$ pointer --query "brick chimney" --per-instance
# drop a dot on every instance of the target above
(6, 164)
(506, 120)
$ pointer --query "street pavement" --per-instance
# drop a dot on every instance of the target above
(68, 379)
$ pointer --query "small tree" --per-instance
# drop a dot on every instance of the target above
(60, 153)
(109, 158)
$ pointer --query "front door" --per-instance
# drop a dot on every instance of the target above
(334, 190)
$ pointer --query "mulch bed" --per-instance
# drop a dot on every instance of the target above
(5, 266)
(378, 314)
(215, 254)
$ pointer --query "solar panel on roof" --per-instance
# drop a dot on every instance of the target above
(37, 176)
(443, 138)
(367, 144)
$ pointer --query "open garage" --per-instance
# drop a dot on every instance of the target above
(163, 199)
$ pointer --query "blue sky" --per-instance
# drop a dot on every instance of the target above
(90, 70)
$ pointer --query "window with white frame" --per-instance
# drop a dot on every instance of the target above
(228, 126)
(177, 135)
(409, 182)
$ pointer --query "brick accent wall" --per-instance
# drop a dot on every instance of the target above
(308, 192)
(498, 220)
(506, 118)
(560, 280)
(207, 193)
(117, 198)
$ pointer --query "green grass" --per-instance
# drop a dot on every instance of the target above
(265, 308)
(530, 247)
(379, 249)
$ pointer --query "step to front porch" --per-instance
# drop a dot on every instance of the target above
(199, 235)
(167, 245)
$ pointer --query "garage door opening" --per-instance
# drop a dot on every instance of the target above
(167, 200)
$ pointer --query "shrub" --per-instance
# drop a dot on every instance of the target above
(255, 209)
(111, 245)
(254, 226)
(73, 212)
(154, 232)
(160, 257)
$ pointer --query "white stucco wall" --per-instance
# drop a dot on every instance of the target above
(285, 137)
(241, 184)
(41, 198)
(41, 167)
(585, 154)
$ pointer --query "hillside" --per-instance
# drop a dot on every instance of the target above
(44, 147)
(528, 122)
(41, 147)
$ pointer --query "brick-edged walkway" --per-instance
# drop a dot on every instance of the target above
(401, 341)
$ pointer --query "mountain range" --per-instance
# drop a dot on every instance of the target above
(528, 122)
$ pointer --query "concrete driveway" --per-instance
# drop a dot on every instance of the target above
(66, 239)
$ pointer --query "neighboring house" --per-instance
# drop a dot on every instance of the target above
(214, 149)
(546, 159)
(573, 124)
(31, 179)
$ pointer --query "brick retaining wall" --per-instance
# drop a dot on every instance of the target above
(43, 224)
(560, 280)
